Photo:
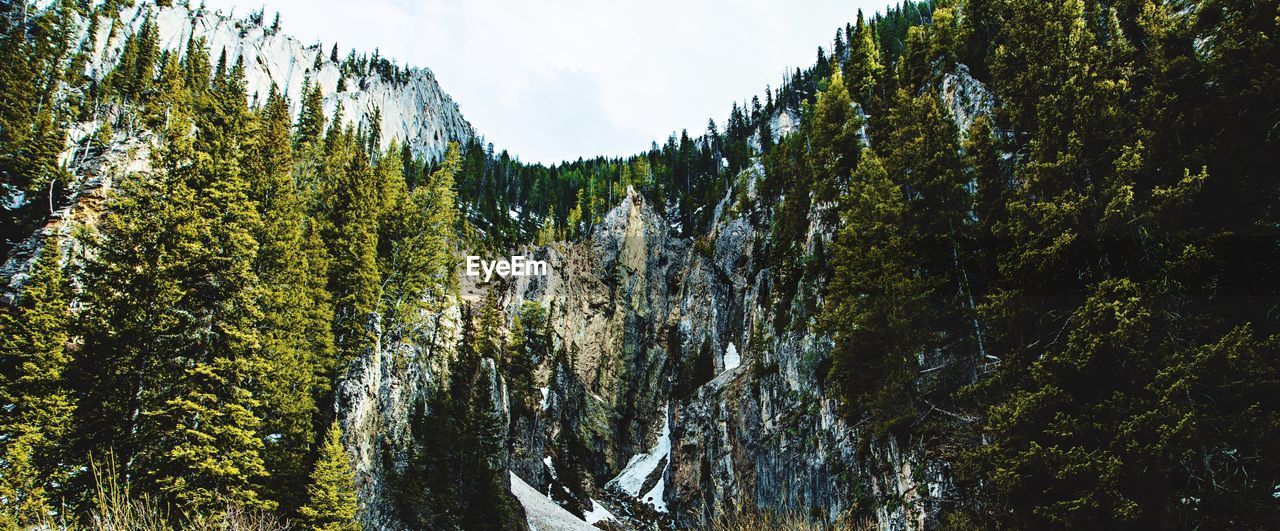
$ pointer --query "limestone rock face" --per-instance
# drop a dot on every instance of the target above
(635, 304)
(413, 110)
(377, 395)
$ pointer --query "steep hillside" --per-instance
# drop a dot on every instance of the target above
(984, 264)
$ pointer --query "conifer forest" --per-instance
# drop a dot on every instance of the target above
(981, 264)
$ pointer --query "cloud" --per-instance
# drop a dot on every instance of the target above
(558, 79)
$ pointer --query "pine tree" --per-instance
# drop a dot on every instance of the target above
(922, 150)
(204, 449)
(530, 346)
(168, 390)
(33, 357)
(1097, 412)
(834, 139)
(487, 503)
(490, 504)
(31, 132)
(135, 69)
(297, 340)
(331, 504)
(873, 295)
(148, 55)
(863, 70)
(173, 344)
(547, 231)
(489, 340)
(979, 30)
(993, 190)
(354, 276)
(310, 127)
(786, 238)
(420, 264)
(195, 63)
(171, 92)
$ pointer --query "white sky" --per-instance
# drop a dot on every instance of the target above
(551, 80)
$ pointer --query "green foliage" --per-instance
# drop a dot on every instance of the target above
(833, 132)
(32, 119)
(454, 476)
(420, 268)
(875, 296)
(331, 494)
(38, 407)
(195, 437)
(297, 341)
(1090, 279)
(863, 70)
(310, 128)
(530, 346)
(353, 244)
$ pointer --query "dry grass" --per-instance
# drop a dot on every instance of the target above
(115, 509)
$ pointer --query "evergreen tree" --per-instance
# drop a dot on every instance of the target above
(354, 278)
(1095, 417)
(487, 503)
(979, 31)
(791, 221)
(922, 151)
(31, 132)
(547, 232)
(199, 440)
(310, 127)
(331, 504)
(297, 342)
(874, 298)
(833, 139)
(420, 270)
(196, 65)
(530, 346)
(38, 407)
(982, 160)
(863, 69)
(170, 93)
(173, 343)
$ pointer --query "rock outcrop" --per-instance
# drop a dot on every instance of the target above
(638, 306)
(413, 110)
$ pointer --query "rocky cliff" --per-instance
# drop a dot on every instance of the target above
(414, 110)
(671, 445)
(639, 306)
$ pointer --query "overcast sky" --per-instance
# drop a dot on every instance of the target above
(551, 80)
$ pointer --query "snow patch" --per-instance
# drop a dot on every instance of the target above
(731, 358)
(654, 496)
(542, 513)
(643, 466)
(599, 513)
(551, 469)
(545, 395)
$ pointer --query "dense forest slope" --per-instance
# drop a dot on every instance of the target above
(985, 263)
